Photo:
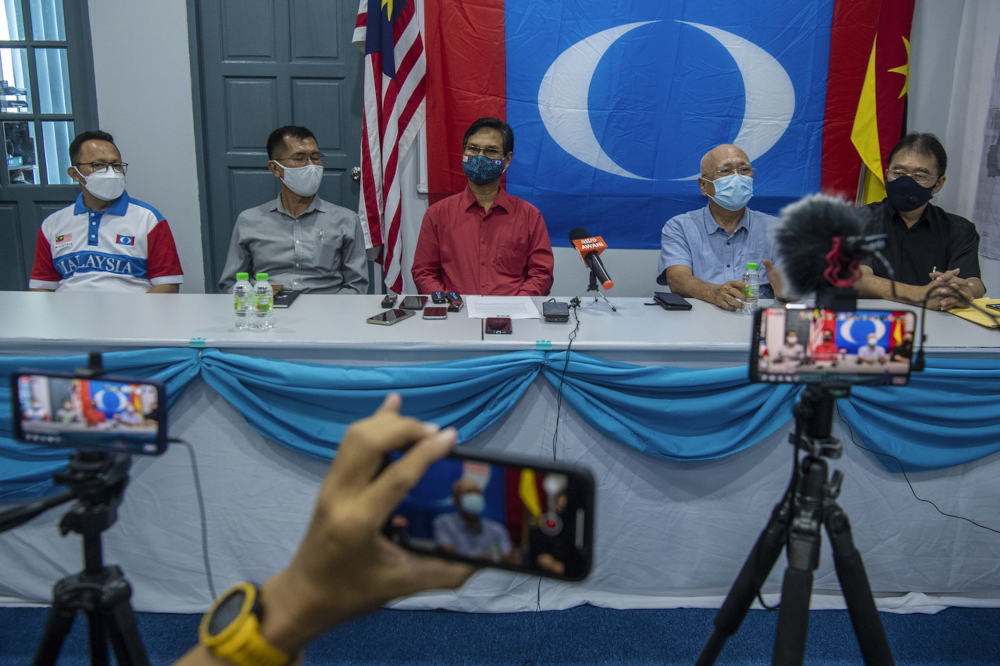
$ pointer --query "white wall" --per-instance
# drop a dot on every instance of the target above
(142, 68)
(143, 74)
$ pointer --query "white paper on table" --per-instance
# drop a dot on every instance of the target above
(513, 307)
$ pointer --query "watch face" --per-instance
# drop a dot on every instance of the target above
(227, 611)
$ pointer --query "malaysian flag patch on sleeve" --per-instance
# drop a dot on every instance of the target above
(64, 238)
(125, 240)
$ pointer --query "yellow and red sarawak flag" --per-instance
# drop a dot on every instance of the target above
(878, 124)
(866, 92)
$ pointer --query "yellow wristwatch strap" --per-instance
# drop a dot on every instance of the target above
(240, 643)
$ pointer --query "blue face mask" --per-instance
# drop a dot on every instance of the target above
(733, 192)
(473, 503)
(481, 169)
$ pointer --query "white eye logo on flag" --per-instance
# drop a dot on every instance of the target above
(565, 89)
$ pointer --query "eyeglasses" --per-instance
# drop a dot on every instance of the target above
(922, 177)
(102, 167)
(300, 159)
(489, 151)
(729, 171)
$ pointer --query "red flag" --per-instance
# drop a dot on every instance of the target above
(865, 95)
(387, 32)
(467, 79)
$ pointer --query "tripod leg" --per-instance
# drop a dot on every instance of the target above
(803, 559)
(124, 630)
(857, 592)
(793, 617)
(99, 655)
(57, 626)
(752, 576)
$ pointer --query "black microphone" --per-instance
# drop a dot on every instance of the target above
(591, 257)
(805, 239)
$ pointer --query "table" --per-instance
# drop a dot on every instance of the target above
(668, 534)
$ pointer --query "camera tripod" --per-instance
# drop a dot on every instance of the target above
(809, 502)
(97, 481)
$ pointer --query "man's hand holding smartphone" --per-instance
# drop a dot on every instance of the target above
(344, 566)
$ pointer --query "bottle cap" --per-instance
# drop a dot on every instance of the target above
(261, 276)
(750, 267)
(242, 276)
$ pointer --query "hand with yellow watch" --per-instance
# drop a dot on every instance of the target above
(231, 630)
(345, 566)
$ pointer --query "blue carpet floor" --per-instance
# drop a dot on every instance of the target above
(583, 635)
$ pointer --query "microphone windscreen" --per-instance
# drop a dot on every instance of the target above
(805, 235)
(579, 233)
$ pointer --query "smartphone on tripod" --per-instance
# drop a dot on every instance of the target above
(797, 344)
(102, 413)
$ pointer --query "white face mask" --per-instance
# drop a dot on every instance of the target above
(106, 185)
(303, 180)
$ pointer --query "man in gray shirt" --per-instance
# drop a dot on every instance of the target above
(302, 242)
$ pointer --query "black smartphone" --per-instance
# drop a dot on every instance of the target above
(521, 514)
(413, 302)
(802, 345)
(438, 297)
(390, 317)
(285, 298)
(388, 301)
(993, 306)
(456, 305)
(436, 313)
(670, 301)
(498, 325)
(105, 413)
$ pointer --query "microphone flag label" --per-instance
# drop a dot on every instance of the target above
(588, 245)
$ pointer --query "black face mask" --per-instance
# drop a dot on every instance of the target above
(906, 194)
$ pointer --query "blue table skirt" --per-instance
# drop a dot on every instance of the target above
(948, 415)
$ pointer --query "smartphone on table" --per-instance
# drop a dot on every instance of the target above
(498, 325)
(522, 514)
(670, 301)
(390, 317)
(436, 313)
(413, 302)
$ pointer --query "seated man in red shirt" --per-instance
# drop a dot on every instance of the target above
(483, 240)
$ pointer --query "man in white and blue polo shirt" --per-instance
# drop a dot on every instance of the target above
(106, 240)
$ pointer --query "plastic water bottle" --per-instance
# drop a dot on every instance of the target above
(243, 301)
(751, 293)
(264, 300)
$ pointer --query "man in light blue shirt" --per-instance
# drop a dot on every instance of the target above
(705, 252)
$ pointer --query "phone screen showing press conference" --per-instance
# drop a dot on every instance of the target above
(102, 414)
(534, 519)
(801, 345)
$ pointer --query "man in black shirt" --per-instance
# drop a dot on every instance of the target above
(932, 252)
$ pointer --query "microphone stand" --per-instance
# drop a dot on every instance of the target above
(808, 502)
(597, 291)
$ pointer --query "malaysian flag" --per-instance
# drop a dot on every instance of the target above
(387, 32)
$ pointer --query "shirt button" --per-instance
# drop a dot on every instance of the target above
(727, 266)
(296, 265)
(483, 263)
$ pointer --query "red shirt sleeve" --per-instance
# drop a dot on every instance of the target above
(162, 260)
(538, 279)
(426, 269)
(44, 269)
